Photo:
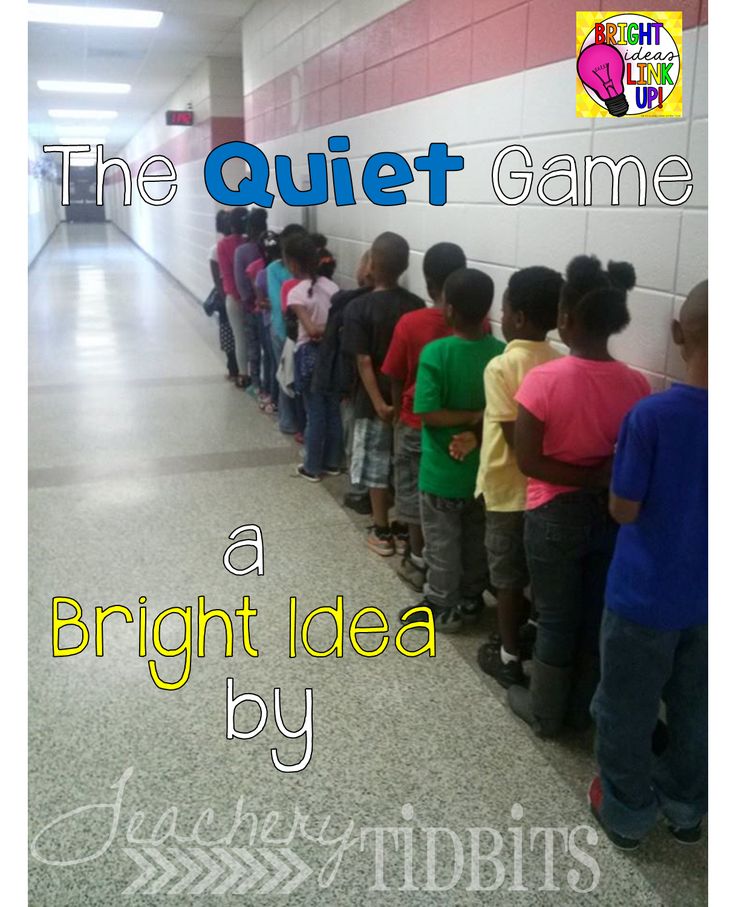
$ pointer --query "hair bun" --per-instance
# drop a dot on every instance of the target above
(622, 274)
(584, 271)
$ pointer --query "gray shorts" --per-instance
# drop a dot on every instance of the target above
(505, 548)
(370, 464)
(407, 452)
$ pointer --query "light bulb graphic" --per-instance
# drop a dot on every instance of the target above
(601, 68)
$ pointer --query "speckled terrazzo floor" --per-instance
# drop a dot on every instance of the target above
(142, 461)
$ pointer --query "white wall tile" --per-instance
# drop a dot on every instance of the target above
(549, 236)
(644, 342)
(549, 100)
(692, 265)
(643, 236)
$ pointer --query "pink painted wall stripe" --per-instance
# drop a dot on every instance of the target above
(421, 48)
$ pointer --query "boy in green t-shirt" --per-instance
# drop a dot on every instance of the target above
(449, 397)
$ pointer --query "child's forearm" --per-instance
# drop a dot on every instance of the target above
(368, 377)
(452, 418)
(556, 472)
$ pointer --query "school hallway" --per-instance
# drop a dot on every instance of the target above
(143, 459)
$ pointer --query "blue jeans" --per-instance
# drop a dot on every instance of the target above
(268, 364)
(642, 666)
(569, 543)
(323, 439)
(286, 404)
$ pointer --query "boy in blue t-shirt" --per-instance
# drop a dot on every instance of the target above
(654, 636)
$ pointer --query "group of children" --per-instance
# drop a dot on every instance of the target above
(559, 482)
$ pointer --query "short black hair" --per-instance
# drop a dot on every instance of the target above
(440, 260)
(470, 293)
(239, 221)
(535, 291)
(222, 222)
(257, 222)
(389, 255)
(597, 297)
(301, 248)
(289, 230)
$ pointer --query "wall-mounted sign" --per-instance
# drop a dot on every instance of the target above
(179, 118)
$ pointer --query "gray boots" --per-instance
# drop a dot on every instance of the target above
(544, 705)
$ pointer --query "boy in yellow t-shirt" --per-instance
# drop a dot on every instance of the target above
(529, 313)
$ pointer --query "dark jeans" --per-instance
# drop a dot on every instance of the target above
(323, 437)
(569, 544)
(454, 549)
(253, 346)
(641, 666)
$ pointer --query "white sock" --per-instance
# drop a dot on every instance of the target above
(506, 658)
(417, 561)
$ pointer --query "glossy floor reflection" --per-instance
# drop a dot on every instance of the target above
(143, 459)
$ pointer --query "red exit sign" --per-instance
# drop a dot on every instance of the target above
(179, 117)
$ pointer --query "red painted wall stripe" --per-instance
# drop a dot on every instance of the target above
(424, 47)
(193, 143)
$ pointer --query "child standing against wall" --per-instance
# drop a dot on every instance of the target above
(529, 313)
(310, 301)
(449, 398)
(570, 412)
(369, 325)
(226, 248)
(276, 275)
(413, 332)
(654, 638)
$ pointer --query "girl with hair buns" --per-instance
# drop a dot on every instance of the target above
(570, 412)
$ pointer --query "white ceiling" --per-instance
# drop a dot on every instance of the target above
(155, 61)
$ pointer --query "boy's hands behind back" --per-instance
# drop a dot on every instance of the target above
(462, 444)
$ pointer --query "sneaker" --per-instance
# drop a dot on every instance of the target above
(471, 609)
(400, 532)
(381, 541)
(507, 674)
(595, 800)
(360, 503)
(302, 472)
(411, 574)
(687, 835)
(332, 471)
(448, 620)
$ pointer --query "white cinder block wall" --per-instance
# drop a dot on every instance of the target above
(478, 75)
(179, 235)
(44, 208)
(384, 73)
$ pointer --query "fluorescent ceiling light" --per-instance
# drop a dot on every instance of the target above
(87, 87)
(93, 15)
(83, 114)
(92, 130)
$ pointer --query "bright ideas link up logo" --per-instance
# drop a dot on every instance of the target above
(629, 64)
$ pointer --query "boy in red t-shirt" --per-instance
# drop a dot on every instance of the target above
(413, 332)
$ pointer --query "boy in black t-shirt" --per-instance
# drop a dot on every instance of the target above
(369, 325)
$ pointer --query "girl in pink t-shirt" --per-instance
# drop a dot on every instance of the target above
(570, 412)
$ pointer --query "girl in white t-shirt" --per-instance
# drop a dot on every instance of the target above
(310, 302)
